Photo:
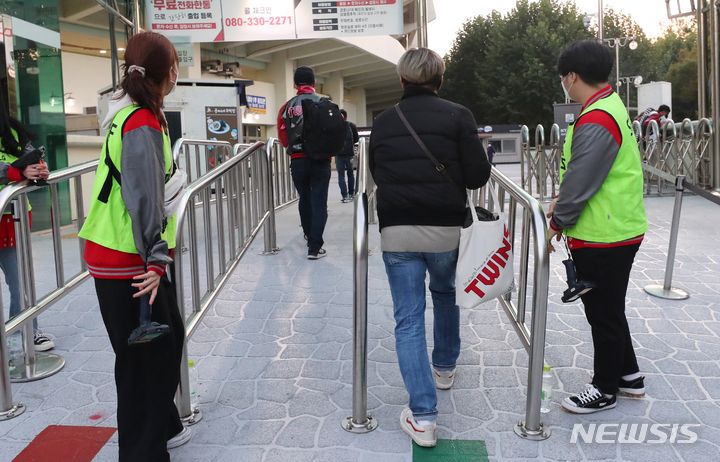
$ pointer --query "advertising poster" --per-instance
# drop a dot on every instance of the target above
(201, 20)
(221, 126)
(248, 20)
(252, 20)
(348, 18)
(257, 104)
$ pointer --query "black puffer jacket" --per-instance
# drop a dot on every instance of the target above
(410, 189)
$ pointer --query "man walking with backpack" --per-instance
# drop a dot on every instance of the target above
(311, 176)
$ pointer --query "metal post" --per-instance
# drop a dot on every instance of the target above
(36, 366)
(702, 55)
(715, 92)
(56, 237)
(422, 23)
(617, 64)
(360, 421)
(8, 409)
(80, 210)
(271, 247)
(666, 291)
(600, 20)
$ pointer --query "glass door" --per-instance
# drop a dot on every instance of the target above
(31, 85)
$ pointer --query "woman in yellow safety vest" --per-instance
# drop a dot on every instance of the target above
(15, 139)
(130, 242)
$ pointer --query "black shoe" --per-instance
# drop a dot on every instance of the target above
(633, 388)
(42, 342)
(589, 401)
(315, 254)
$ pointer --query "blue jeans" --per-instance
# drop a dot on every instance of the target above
(312, 180)
(8, 265)
(342, 165)
(406, 275)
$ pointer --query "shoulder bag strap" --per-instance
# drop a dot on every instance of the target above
(438, 166)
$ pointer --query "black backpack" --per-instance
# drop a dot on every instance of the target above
(323, 129)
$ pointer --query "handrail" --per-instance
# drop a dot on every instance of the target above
(207, 145)
(285, 192)
(51, 363)
(534, 222)
(243, 184)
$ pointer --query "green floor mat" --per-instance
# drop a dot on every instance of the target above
(452, 451)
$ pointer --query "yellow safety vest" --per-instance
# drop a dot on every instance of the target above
(616, 212)
(9, 159)
(108, 223)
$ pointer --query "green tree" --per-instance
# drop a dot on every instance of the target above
(503, 68)
(683, 74)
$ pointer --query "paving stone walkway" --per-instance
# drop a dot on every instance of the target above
(275, 359)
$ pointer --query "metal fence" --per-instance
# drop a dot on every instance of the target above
(220, 215)
(676, 149)
(35, 366)
(284, 191)
(197, 157)
(533, 234)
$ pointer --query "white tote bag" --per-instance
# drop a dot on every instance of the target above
(485, 260)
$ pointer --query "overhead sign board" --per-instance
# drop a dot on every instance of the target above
(252, 20)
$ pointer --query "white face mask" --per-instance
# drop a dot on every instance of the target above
(566, 90)
(174, 82)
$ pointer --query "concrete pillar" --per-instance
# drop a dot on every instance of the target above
(333, 87)
(279, 72)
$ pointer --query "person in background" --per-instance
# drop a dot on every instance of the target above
(600, 210)
(15, 140)
(491, 153)
(344, 162)
(659, 116)
(421, 212)
(129, 243)
(310, 176)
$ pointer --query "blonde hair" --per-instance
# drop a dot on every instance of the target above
(421, 66)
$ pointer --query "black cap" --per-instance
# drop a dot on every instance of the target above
(304, 76)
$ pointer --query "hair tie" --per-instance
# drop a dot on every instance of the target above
(140, 69)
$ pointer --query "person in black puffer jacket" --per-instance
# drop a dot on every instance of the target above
(421, 213)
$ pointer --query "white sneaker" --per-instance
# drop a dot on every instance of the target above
(423, 435)
(444, 379)
(180, 439)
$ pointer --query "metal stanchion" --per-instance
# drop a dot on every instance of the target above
(360, 421)
(8, 409)
(35, 366)
(666, 290)
(271, 247)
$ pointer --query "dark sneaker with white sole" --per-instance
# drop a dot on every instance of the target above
(42, 342)
(589, 401)
(314, 254)
(633, 388)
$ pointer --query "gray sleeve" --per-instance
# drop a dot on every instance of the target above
(4, 173)
(142, 174)
(594, 150)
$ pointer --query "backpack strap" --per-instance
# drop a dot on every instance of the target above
(113, 172)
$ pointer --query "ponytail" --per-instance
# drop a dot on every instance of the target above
(148, 59)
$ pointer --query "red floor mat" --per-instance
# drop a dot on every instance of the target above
(59, 443)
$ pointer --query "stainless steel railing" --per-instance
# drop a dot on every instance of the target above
(542, 162)
(197, 157)
(676, 149)
(284, 191)
(534, 233)
(239, 195)
(36, 366)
